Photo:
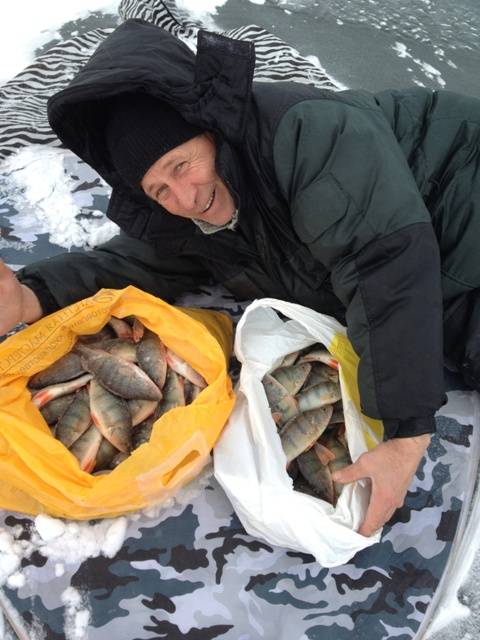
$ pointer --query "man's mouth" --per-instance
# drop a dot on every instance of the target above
(209, 203)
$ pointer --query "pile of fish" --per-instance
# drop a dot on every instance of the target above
(306, 404)
(102, 398)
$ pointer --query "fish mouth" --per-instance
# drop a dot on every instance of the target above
(209, 203)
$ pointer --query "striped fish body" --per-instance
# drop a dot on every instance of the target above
(117, 459)
(120, 377)
(174, 394)
(106, 453)
(76, 419)
(85, 449)
(142, 433)
(281, 403)
(53, 410)
(111, 416)
(184, 369)
(152, 357)
(317, 475)
(303, 430)
(41, 397)
(292, 378)
(65, 368)
(320, 355)
(289, 359)
(319, 396)
(191, 391)
(140, 410)
(125, 349)
(320, 373)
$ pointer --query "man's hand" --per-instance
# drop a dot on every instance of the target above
(18, 303)
(390, 468)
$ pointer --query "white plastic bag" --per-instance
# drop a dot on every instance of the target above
(249, 460)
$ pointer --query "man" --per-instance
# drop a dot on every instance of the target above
(359, 206)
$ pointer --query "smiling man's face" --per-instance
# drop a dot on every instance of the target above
(184, 181)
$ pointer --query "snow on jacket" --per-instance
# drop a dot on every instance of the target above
(354, 204)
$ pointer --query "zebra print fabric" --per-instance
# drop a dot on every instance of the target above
(23, 118)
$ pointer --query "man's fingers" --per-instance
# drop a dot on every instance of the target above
(374, 521)
(380, 509)
(4, 270)
(349, 474)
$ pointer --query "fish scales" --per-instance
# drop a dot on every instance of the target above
(65, 368)
(105, 454)
(174, 394)
(184, 369)
(316, 474)
(53, 410)
(292, 378)
(320, 355)
(120, 377)
(289, 359)
(76, 419)
(280, 401)
(319, 396)
(143, 432)
(141, 409)
(320, 373)
(152, 357)
(303, 430)
(41, 397)
(85, 449)
(111, 416)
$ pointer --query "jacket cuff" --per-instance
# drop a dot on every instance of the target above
(408, 428)
(47, 301)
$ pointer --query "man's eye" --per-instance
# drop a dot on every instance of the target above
(161, 194)
(180, 166)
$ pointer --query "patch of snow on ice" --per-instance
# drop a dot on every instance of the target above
(41, 188)
(21, 37)
(74, 541)
(200, 10)
(431, 72)
(77, 615)
(401, 50)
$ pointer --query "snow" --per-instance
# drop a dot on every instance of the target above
(39, 185)
(77, 615)
(66, 542)
(44, 20)
(202, 10)
(427, 69)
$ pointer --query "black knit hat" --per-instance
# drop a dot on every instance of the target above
(139, 131)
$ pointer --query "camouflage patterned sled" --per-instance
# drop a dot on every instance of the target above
(187, 570)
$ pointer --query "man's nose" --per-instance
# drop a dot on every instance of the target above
(186, 194)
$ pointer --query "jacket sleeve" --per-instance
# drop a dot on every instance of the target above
(69, 277)
(355, 204)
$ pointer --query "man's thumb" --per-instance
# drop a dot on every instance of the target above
(347, 474)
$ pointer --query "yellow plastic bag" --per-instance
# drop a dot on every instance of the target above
(39, 475)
